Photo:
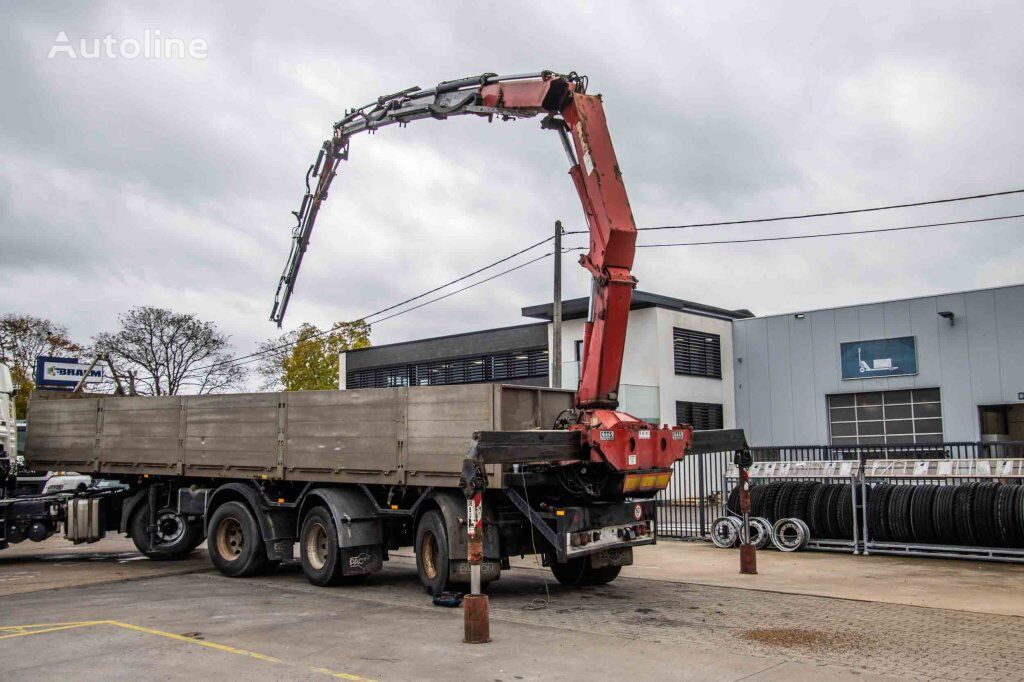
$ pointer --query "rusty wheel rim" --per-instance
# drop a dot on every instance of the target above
(316, 545)
(429, 552)
(230, 539)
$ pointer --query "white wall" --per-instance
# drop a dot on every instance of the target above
(648, 362)
(694, 389)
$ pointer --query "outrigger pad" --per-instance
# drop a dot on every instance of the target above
(523, 447)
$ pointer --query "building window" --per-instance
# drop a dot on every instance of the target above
(885, 417)
(697, 353)
(701, 416)
(524, 364)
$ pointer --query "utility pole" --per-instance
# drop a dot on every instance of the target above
(556, 317)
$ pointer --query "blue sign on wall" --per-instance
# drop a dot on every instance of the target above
(878, 358)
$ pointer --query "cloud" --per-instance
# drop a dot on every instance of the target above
(171, 182)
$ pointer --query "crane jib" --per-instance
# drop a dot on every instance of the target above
(598, 180)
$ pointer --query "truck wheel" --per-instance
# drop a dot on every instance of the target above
(579, 573)
(318, 548)
(235, 544)
(175, 536)
(432, 561)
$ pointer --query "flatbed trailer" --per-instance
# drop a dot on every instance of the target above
(347, 475)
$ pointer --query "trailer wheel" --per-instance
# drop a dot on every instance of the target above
(175, 536)
(319, 551)
(235, 544)
(432, 560)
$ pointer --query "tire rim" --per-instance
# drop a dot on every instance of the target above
(230, 539)
(316, 546)
(429, 552)
(169, 527)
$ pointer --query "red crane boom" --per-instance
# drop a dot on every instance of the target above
(620, 440)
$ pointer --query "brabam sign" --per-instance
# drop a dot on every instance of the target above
(67, 372)
(150, 46)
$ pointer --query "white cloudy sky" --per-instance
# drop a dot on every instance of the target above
(170, 183)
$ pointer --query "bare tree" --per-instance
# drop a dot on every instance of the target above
(166, 353)
(23, 338)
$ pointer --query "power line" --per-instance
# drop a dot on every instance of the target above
(828, 234)
(835, 213)
(253, 357)
(263, 352)
(282, 346)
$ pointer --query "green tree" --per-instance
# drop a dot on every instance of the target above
(306, 359)
(22, 339)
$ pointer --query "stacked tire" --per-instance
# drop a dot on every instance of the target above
(826, 508)
(986, 514)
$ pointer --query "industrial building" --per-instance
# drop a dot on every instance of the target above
(677, 365)
(932, 369)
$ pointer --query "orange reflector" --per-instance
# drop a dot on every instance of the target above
(634, 482)
(280, 500)
(560, 512)
(394, 506)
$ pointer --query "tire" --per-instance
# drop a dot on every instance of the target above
(1005, 515)
(922, 526)
(985, 523)
(732, 504)
(318, 548)
(828, 519)
(798, 503)
(943, 515)
(844, 512)
(815, 504)
(963, 511)
(177, 537)
(899, 513)
(786, 490)
(432, 560)
(878, 512)
(771, 491)
(756, 500)
(1019, 517)
(235, 543)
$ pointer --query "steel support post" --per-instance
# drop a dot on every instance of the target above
(476, 610)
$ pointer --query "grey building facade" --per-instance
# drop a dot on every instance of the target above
(922, 370)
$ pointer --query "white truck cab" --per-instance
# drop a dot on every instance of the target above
(8, 423)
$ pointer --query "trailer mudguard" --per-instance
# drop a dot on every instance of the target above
(277, 524)
(360, 527)
(354, 514)
(128, 507)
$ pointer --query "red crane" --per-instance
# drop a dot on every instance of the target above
(597, 429)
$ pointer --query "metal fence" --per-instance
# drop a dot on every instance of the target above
(697, 492)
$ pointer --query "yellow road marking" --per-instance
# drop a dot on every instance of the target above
(40, 628)
(341, 676)
(26, 630)
(199, 642)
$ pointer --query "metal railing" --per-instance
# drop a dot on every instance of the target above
(697, 493)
